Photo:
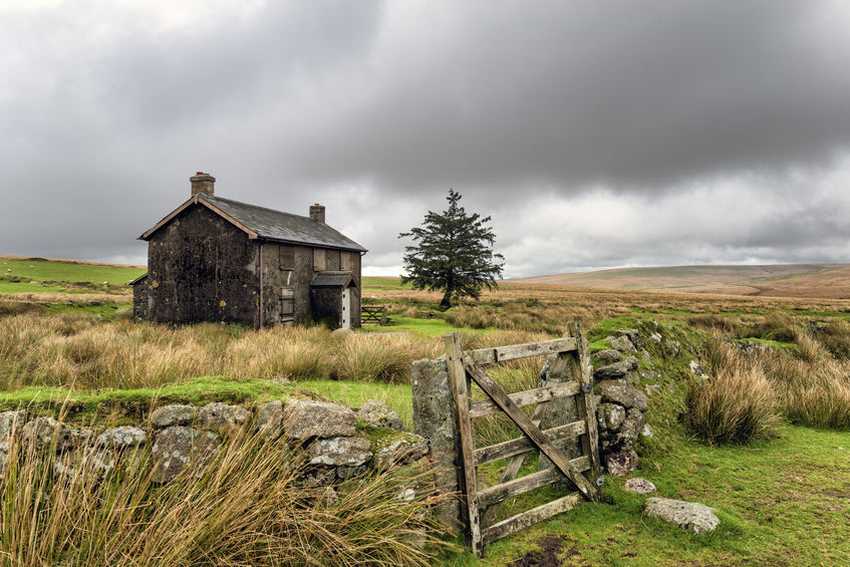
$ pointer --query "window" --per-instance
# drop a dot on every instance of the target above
(287, 257)
(287, 302)
(332, 261)
(319, 260)
(346, 261)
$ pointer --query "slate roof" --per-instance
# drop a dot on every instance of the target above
(269, 224)
(332, 279)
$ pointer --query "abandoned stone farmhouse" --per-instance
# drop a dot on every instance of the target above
(215, 259)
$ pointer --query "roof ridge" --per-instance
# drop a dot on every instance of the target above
(216, 197)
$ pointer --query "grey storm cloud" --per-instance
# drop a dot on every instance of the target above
(595, 133)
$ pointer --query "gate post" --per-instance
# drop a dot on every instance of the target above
(435, 419)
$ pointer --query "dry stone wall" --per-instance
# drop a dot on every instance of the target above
(337, 442)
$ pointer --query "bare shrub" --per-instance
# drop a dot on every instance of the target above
(736, 405)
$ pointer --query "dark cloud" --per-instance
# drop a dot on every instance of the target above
(660, 132)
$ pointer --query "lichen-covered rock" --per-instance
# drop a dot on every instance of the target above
(639, 485)
(608, 356)
(621, 463)
(45, 430)
(612, 416)
(616, 370)
(340, 452)
(692, 516)
(379, 414)
(402, 451)
(319, 476)
(632, 427)
(306, 419)
(11, 420)
(121, 438)
(622, 344)
(174, 414)
(178, 446)
(620, 392)
(222, 418)
(270, 418)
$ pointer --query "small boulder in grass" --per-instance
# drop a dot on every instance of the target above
(270, 418)
(639, 486)
(692, 516)
(379, 414)
(11, 420)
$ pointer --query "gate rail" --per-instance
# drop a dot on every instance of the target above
(467, 367)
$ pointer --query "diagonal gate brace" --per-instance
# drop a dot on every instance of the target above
(559, 459)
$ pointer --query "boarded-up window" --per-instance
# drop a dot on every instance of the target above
(287, 257)
(319, 262)
(332, 261)
(346, 261)
(287, 302)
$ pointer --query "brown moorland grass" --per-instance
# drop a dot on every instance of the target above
(82, 352)
(245, 506)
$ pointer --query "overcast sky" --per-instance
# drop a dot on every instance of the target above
(595, 133)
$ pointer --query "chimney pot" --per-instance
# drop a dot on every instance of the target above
(202, 183)
(317, 213)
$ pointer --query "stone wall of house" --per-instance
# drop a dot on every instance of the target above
(339, 442)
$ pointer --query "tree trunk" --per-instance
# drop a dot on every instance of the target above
(446, 303)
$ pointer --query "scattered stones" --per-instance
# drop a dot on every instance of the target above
(656, 337)
(222, 418)
(174, 414)
(178, 446)
(406, 495)
(408, 449)
(608, 356)
(613, 416)
(340, 451)
(639, 485)
(621, 463)
(647, 432)
(11, 420)
(121, 438)
(692, 516)
(270, 418)
(379, 414)
(697, 370)
(620, 392)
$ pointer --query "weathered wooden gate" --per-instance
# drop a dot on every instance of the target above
(466, 368)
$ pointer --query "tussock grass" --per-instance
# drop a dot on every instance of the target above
(83, 352)
(736, 405)
(244, 507)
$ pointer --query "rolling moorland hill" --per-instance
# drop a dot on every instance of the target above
(787, 280)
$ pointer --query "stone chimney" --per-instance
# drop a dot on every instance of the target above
(317, 213)
(203, 183)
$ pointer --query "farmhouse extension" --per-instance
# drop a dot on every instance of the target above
(215, 259)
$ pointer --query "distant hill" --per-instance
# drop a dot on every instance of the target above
(786, 280)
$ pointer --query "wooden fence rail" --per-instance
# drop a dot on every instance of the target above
(466, 368)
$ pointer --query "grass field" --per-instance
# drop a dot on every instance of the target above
(782, 501)
(791, 280)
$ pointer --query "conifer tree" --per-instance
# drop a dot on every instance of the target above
(452, 252)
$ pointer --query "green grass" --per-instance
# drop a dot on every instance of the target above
(382, 282)
(781, 503)
(47, 270)
(131, 403)
(426, 327)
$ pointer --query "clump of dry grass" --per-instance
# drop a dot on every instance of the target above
(736, 405)
(85, 353)
(812, 391)
(244, 507)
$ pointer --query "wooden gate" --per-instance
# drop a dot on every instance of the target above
(466, 368)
